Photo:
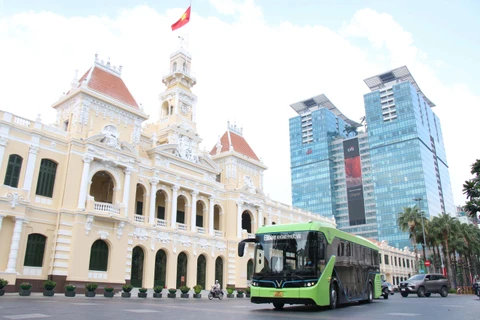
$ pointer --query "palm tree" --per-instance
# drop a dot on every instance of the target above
(409, 221)
(445, 225)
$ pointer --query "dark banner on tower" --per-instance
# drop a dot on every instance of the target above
(353, 173)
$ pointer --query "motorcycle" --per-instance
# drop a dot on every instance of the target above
(215, 294)
(476, 288)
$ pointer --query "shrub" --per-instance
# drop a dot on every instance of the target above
(108, 289)
(3, 283)
(184, 289)
(172, 290)
(49, 285)
(70, 287)
(198, 288)
(142, 290)
(157, 289)
(452, 290)
(239, 291)
(127, 288)
(247, 289)
(26, 286)
(230, 290)
(92, 286)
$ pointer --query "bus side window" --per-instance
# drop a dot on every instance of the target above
(321, 250)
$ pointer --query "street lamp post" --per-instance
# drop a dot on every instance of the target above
(419, 200)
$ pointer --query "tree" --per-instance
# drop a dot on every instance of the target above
(471, 188)
(410, 221)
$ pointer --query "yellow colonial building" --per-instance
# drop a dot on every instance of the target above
(102, 196)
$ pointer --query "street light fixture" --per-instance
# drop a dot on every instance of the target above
(419, 200)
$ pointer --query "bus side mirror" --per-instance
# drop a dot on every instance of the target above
(241, 248)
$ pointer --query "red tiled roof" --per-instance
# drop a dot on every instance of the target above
(239, 144)
(109, 85)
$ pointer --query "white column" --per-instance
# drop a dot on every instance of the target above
(82, 196)
(193, 216)
(126, 190)
(1, 220)
(3, 144)
(32, 159)
(173, 223)
(239, 219)
(260, 218)
(153, 198)
(211, 216)
(269, 219)
(12, 257)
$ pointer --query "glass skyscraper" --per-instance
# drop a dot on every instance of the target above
(365, 180)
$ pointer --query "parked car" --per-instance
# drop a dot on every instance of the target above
(424, 285)
(387, 289)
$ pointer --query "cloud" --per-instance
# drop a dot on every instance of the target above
(247, 71)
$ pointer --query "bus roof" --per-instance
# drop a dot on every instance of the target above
(328, 229)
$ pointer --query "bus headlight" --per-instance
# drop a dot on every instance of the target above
(310, 284)
(255, 284)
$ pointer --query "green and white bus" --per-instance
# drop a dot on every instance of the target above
(312, 263)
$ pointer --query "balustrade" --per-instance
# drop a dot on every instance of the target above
(139, 218)
(161, 223)
(106, 207)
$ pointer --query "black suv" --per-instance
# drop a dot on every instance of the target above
(424, 285)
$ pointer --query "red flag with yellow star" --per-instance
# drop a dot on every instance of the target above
(182, 21)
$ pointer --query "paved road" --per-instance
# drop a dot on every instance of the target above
(36, 306)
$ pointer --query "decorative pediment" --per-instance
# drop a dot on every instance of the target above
(165, 153)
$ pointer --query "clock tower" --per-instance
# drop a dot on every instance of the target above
(176, 119)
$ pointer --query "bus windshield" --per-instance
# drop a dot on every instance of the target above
(301, 253)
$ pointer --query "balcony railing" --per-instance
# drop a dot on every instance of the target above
(181, 226)
(139, 218)
(218, 233)
(201, 230)
(106, 207)
(161, 223)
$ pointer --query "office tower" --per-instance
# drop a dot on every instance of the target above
(402, 159)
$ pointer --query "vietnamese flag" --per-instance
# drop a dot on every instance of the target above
(182, 21)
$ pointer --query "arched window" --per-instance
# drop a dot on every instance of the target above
(13, 170)
(136, 273)
(160, 268)
(46, 178)
(99, 256)
(201, 270)
(219, 271)
(246, 222)
(174, 66)
(182, 262)
(35, 250)
(249, 269)
(185, 67)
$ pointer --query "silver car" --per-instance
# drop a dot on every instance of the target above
(424, 285)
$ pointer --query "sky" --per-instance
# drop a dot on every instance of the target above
(252, 59)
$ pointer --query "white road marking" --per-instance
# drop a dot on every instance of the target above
(85, 304)
(404, 314)
(27, 316)
(141, 310)
(453, 306)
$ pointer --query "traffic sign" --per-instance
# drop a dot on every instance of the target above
(427, 263)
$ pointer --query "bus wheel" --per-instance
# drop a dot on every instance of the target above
(278, 305)
(333, 296)
(370, 293)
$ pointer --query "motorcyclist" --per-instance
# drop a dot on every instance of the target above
(217, 287)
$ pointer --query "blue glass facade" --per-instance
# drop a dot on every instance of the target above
(407, 158)
(402, 158)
